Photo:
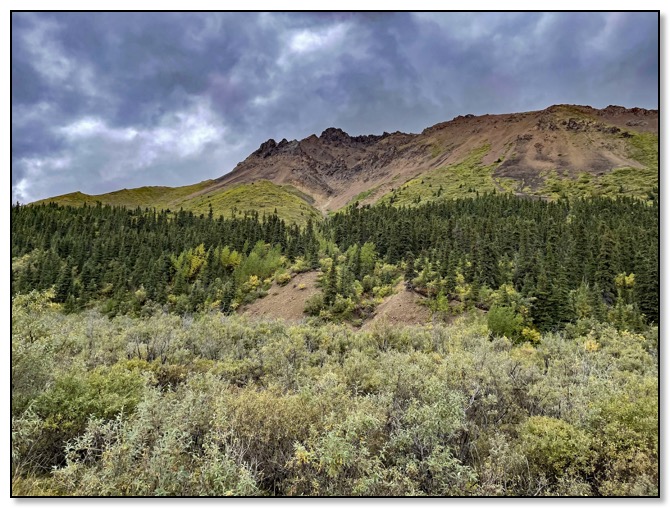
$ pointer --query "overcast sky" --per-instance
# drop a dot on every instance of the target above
(105, 101)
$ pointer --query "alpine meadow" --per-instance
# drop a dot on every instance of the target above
(468, 309)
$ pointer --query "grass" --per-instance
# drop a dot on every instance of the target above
(640, 183)
(158, 197)
(462, 179)
(436, 150)
(630, 181)
(302, 195)
(470, 176)
(362, 195)
(565, 111)
(263, 196)
(643, 147)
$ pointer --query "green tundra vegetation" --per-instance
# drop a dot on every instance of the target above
(465, 178)
(162, 197)
(133, 374)
(469, 177)
(262, 196)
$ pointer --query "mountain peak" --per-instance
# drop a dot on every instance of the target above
(266, 149)
(335, 134)
(271, 147)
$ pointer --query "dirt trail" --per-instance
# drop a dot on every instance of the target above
(285, 302)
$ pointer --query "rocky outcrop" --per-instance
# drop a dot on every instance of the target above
(335, 135)
(266, 149)
(271, 147)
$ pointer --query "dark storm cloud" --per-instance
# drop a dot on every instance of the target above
(102, 101)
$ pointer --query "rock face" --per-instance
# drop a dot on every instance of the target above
(335, 166)
(333, 135)
(271, 147)
(266, 149)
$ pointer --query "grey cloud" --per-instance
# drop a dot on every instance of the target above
(288, 75)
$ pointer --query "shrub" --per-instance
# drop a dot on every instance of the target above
(65, 408)
(301, 265)
(504, 321)
(343, 307)
(555, 447)
(233, 406)
(314, 304)
(283, 278)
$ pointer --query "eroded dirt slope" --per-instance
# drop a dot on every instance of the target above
(400, 309)
(285, 302)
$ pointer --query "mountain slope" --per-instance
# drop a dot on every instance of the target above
(562, 150)
(159, 197)
(261, 196)
(522, 152)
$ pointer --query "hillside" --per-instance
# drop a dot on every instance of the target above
(480, 346)
(562, 150)
(261, 196)
(160, 197)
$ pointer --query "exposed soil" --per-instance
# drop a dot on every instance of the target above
(288, 302)
(403, 308)
(285, 302)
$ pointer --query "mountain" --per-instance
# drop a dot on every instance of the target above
(562, 150)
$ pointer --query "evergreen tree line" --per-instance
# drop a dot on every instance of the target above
(563, 260)
(547, 251)
(128, 257)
